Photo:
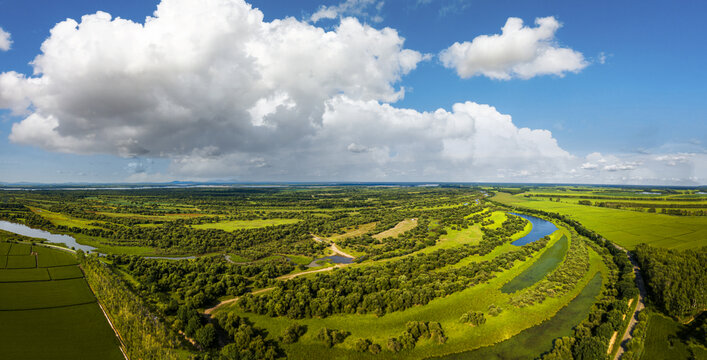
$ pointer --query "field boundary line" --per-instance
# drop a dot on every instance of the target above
(50, 307)
(27, 281)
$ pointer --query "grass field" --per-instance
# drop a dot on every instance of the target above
(245, 224)
(349, 233)
(624, 227)
(65, 220)
(663, 331)
(45, 319)
(445, 310)
(545, 264)
(399, 228)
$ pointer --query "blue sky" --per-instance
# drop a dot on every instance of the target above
(633, 113)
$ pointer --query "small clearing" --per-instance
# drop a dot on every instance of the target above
(401, 227)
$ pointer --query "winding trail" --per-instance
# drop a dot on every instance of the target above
(332, 246)
(226, 302)
(282, 278)
(640, 306)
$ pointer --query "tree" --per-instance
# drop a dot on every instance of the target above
(589, 348)
(206, 336)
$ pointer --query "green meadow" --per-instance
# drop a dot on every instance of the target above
(625, 227)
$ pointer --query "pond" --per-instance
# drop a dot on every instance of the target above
(540, 229)
(336, 259)
(41, 234)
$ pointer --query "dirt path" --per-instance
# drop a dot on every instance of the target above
(292, 276)
(338, 251)
(226, 302)
(634, 319)
(332, 246)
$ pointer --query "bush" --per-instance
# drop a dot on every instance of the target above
(473, 318)
(292, 333)
(331, 337)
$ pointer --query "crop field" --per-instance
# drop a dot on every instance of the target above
(65, 272)
(22, 275)
(21, 262)
(44, 294)
(624, 227)
(43, 316)
(49, 257)
(71, 333)
(20, 249)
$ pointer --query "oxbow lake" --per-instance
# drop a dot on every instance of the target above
(41, 234)
(540, 229)
(336, 259)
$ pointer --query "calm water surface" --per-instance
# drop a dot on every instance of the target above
(41, 234)
(541, 228)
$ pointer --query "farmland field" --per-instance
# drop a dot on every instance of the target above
(45, 317)
(624, 227)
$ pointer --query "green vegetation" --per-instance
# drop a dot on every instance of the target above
(65, 272)
(538, 339)
(546, 263)
(624, 227)
(245, 224)
(682, 343)
(676, 279)
(71, 333)
(46, 319)
(434, 274)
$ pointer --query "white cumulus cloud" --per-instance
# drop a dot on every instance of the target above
(5, 40)
(518, 52)
(198, 74)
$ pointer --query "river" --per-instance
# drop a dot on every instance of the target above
(41, 234)
(540, 229)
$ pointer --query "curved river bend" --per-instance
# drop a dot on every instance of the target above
(540, 229)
